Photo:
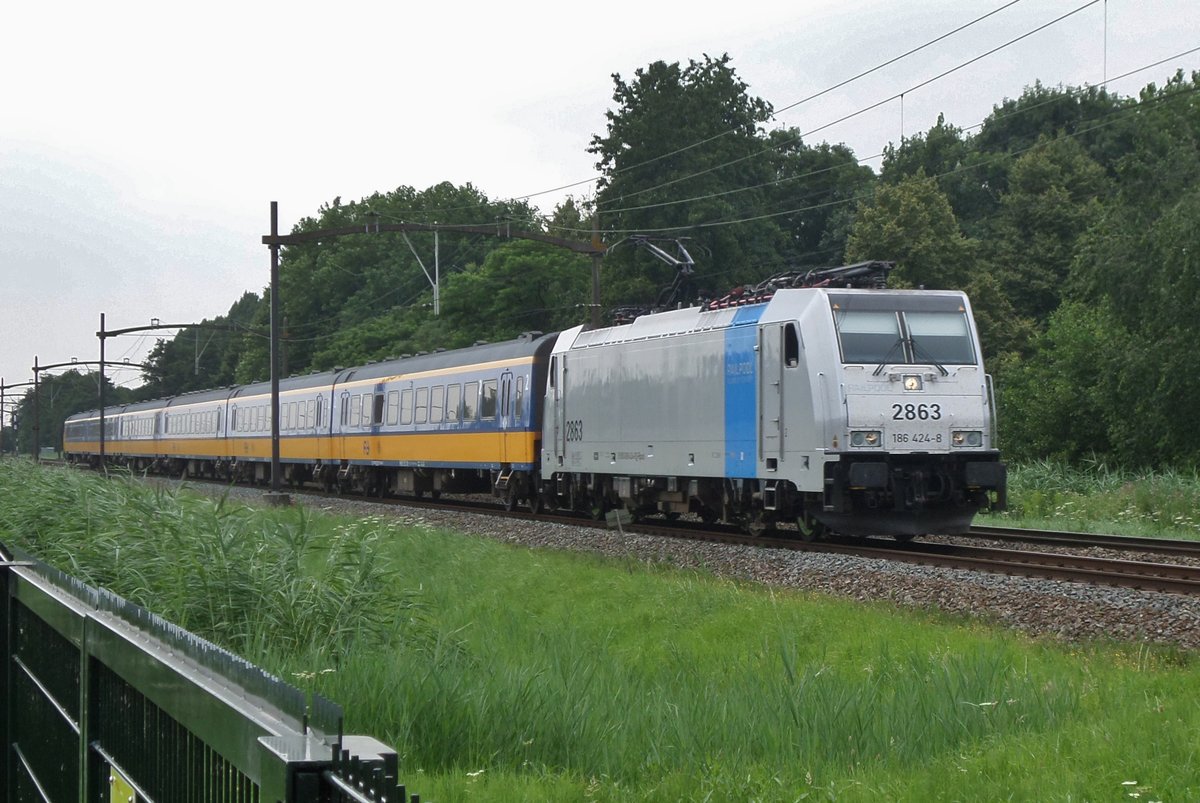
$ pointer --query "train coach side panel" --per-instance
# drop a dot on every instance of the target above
(646, 408)
(679, 401)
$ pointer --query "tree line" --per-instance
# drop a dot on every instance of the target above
(1068, 215)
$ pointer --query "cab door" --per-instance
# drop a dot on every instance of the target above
(557, 394)
(770, 394)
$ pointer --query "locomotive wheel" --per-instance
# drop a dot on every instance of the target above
(510, 498)
(534, 502)
(810, 529)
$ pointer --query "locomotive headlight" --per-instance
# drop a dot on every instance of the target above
(865, 438)
(972, 438)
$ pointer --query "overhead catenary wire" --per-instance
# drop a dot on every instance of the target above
(775, 113)
(867, 159)
(870, 107)
(799, 138)
(1131, 109)
(861, 161)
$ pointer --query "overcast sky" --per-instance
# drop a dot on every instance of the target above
(141, 143)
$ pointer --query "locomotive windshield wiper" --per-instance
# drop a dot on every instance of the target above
(888, 357)
(919, 351)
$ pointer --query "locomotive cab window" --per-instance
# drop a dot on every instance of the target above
(891, 330)
(791, 346)
(870, 337)
(941, 337)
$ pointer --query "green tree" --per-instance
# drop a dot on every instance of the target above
(202, 357)
(57, 398)
(912, 223)
(1090, 115)
(822, 183)
(683, 151)
(1054, 196)
(953, 160)
(1059, 403)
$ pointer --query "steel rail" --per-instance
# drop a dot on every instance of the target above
(1163, 546)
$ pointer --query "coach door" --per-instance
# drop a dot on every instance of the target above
(770, 394)
(504, 415)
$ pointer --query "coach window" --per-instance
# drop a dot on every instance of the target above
(422, 411)
(393, 407)
(520, 401)
(320, 419)
(302, 414)
(356, 410)
(453, 398)
(377, 410)
(406, 406)
(470, 403)
(791, 346)
(487, 406)
(437, 401)
(345, 409)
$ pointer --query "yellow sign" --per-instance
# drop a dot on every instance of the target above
(120, 790)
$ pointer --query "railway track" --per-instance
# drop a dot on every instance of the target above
(1137, 574)
(1143, 575)
(1161, 546)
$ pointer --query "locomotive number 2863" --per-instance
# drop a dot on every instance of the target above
(916, 412)
(574, 430)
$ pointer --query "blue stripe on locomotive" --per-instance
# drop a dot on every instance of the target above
(741, 393)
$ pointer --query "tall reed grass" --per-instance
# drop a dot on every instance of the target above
(255, 581)
(1100, 497)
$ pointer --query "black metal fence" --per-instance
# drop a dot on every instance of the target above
(103, 701)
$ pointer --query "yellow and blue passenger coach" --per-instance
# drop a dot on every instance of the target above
(463, 420)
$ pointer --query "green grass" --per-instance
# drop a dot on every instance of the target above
(504, 674)
(1101, 498)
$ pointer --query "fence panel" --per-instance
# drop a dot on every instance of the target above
(104, 700)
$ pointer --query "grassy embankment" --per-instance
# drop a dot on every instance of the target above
(510, 675)
(1102, 499)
